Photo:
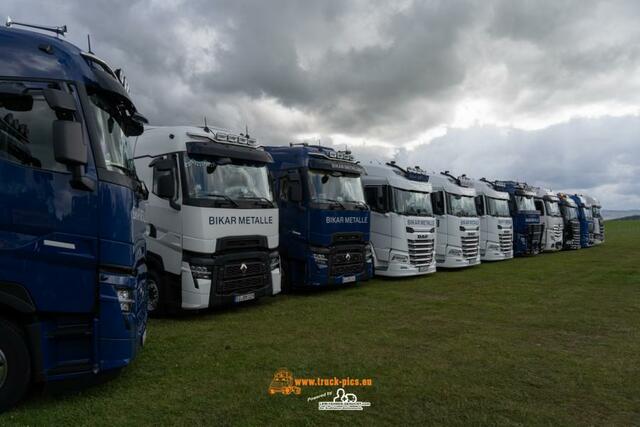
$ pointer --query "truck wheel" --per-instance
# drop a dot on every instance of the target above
(156, 293)
(15, 365)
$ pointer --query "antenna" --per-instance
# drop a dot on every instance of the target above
(246, 130)
(206, 128)
(60, 31)
(89, 43)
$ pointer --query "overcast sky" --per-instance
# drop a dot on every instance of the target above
(542, 91)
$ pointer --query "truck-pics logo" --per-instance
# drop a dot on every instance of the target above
(283, 383)
(241, 220)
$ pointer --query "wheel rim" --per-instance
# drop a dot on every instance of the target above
(153, 295)
(4, 370)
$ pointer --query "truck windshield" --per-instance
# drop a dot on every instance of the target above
(412, 203)
(569, 212)
(552, 208)
(335, 187)
(461, 205)
(222, 183)
(596, 212)
(587, 213)
(525, 203)
(116, 148)
(497, 207)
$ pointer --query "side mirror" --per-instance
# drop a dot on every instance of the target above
(165, 186)
(295, 192)
(59, 100)
(70, 149)
(295, 186)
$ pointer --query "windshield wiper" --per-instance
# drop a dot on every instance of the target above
(360, 204)
(334, 201)
(260, 199)
(223, 196)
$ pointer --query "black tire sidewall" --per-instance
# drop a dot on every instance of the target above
(157, 278)
(14, 347)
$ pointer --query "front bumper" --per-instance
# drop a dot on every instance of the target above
(227, 285)
(394, 269)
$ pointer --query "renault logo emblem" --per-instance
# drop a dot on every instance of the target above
(348, 256)
(243, 268)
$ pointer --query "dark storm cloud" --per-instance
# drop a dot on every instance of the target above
(387, 72)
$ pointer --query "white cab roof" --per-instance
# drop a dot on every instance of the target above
(488, 190)
(160, 140)
(379, 174)
(442, 182)
(546, 193)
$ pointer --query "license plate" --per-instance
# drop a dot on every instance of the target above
(348, 279)
(422, 269)
(245, 297)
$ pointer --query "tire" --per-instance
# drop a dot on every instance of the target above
(156, 291)
(15, 365)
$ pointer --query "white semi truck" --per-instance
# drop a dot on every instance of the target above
(598, 220)
(403, 229)
(496, 225)
(547, 203)
(457, 222)
(212, 220)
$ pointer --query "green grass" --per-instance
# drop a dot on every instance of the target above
(552, 339)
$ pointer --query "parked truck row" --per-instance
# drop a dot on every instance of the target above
(104, 220)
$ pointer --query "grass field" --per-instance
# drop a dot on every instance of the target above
(553, 339)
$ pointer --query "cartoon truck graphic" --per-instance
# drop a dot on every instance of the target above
(282, 382)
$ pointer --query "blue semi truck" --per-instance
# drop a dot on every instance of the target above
(72, 252)
(324, 219)
(585, 217)
(527, 229)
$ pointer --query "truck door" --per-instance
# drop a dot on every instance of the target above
(377, 197)
(48, 230)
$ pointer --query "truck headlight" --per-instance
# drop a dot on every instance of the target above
(125, 300)
(319, 258)
(493, 247)
(200, 272)
(455, 252)
(399, 258)
(368, 253)
(274, 259)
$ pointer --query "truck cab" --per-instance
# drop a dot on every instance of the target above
(547, 203)
(528, 231)
(324, 219)
(496, 225)
(569, 210)
(457, 222)
(72, 250)
(403, 228)
(213, 221)
(598, 220)
(585, 217)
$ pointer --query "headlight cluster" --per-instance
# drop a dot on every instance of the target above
(368, 253)
(200, 272)
(274, 258)
(455, 252)
(493, 247)
(399, 258)
(125, 300)
(320, 258)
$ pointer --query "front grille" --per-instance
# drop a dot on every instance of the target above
(556, 232)
(573, 235)
(251, 268)
(470, 246)
(421, 252)
(242, 277)
(506, 242)
(243, 284)
(347, 261)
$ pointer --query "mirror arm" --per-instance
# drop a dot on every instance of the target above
(80, 181)
(175, 205)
